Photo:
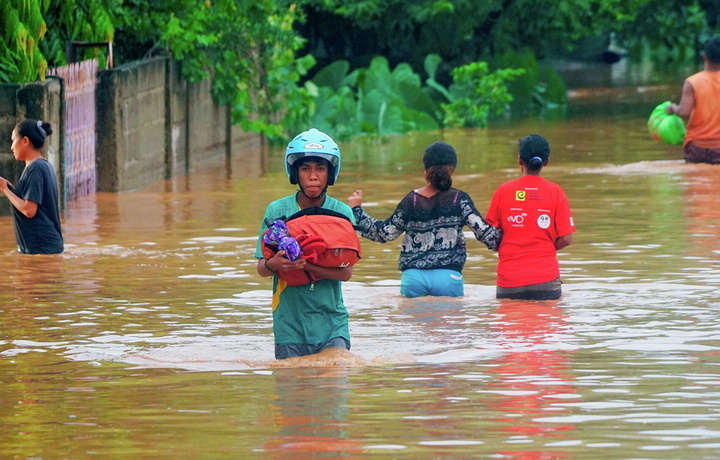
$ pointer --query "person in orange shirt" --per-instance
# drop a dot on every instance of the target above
(700, 108)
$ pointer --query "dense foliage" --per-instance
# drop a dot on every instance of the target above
(379, 100)
(671, 31)
(261, 54)
(460, 31)
(247, 48)
(23, 27)
(36, 32)
(77, 20)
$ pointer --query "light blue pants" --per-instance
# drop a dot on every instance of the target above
(437, 282)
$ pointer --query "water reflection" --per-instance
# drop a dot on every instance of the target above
(703, 216)
(310, 411)
(152, 333)
(34, 279)
(533, 373)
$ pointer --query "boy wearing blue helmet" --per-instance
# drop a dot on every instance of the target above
(310, 318)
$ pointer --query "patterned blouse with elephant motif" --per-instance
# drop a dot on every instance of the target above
(433, 229)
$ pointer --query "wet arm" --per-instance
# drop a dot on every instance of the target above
(334, 273)
(279, 263)
(563, 242)
(269, 267)
(484, 232)
(27, 207)
(378, 230)
(687, 102)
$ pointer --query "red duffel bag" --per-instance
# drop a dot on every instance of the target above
(327, 238)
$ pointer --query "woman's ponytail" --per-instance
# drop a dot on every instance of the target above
(440, 176)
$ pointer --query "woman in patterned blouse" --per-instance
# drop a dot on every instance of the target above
(432, 253)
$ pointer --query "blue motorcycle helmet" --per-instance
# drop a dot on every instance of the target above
(312, 143)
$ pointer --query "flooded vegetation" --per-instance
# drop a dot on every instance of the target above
(151, 336)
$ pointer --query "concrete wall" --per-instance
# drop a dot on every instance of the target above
(131, 125)
(154, 125)
(208, 127)
(151, 125)
(40, 101)
(177, 120)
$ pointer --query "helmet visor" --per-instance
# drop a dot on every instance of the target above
(293, 157)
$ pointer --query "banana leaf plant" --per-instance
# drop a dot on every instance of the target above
(381, 101)
(374, 100)
(22, 27)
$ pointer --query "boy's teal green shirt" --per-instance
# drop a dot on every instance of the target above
(313, 313)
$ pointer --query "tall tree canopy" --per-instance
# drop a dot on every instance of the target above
(460, 31)
(261, 54)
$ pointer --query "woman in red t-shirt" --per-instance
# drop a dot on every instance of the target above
(534, 217)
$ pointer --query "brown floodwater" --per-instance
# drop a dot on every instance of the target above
(151, 336)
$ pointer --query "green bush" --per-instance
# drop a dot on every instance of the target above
(378, 100)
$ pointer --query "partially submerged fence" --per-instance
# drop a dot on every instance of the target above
(79, 164)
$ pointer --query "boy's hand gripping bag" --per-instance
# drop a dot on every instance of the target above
(325, 238)
(665, 127)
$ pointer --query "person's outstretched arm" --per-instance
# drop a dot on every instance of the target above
(374, 229)
(484, 232)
